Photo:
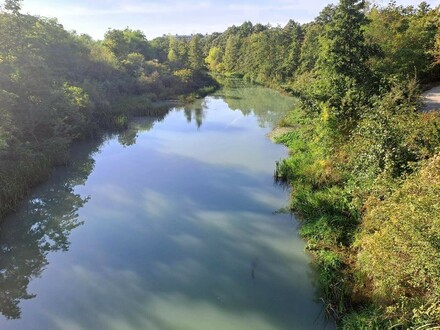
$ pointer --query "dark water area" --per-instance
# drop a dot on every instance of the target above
(173, 224)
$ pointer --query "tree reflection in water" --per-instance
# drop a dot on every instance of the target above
(195, 110)
(45, 221)
(255, 99)
(143, 124)
(43, 225)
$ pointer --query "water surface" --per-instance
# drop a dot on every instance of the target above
(173, 224)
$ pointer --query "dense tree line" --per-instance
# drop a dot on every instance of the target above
(57, 86)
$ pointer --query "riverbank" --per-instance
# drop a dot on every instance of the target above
(340, 194)
(23, 168)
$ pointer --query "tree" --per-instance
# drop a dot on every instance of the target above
(344, 50)
(310, 48)
(173, 49)
(406, 39)
(134, 64)
(182, 49)
(232, 52)
(138, 43)
(13, 6)
(214, 59)
(291, 39)
(195, 53)
(123, 42)
(345, 82)
(115, 41)
(7, 101)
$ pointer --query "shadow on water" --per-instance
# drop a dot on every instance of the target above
(44, 222)
(42, 225)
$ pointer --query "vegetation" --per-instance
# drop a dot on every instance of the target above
(364, 161)
(360, 164)
(364, 164)
(57, 87)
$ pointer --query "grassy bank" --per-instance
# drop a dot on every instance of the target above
(369, 212)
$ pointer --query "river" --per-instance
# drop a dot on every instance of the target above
(175, 223)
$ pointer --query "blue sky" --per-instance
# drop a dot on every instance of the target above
(156, 18)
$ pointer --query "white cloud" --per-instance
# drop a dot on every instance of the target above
(155, 203)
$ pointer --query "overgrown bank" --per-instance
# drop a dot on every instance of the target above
(364, 175)
(57, 87)
(364, 160)
(369, 213)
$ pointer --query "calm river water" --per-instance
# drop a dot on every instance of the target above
(173, 224)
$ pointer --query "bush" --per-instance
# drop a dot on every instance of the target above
(399, 248)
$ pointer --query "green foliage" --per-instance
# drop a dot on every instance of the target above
(363, 161)
(134, 64)
(435, 51)
(178, 52)
(260, 53)
(361, 184)
(130, 106)
(232, 53)
(344, 80)
(368, 319)
(406, 37)
(13, 6)
(344, 50)
(310, 48)
(184, 75)
(380, 139)
(390, 139)
(331, 283)
(214, 59)
(399, 248)
(57, 87)
(195, 53)
(124, 42)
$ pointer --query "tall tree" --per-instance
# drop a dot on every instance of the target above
(183, 51)
(195, 53)
(405, 37)
(344, 50)
(232, 53)
(173, 49)
(291, 39)
(214, 59)
(345, 80)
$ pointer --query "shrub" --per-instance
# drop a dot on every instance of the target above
(399, 247)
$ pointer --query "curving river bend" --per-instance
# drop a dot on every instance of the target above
(172, 224)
